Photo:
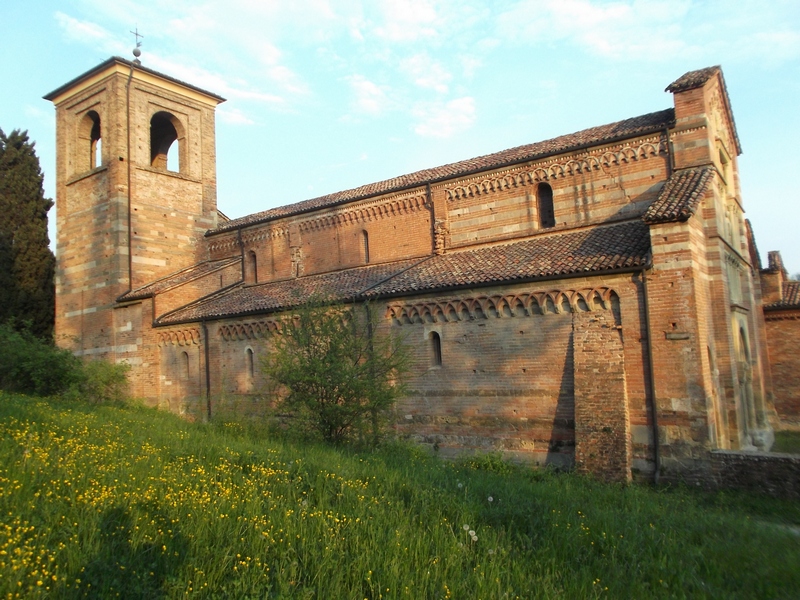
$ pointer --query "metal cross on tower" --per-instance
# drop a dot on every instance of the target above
(137, 35)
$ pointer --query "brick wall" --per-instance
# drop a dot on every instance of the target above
(503, 204)
(169, 212)
(554, 371)
(190, 291)
(602, 424)
(783, 333)
(507, 376)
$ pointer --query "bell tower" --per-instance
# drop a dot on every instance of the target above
(135, 192)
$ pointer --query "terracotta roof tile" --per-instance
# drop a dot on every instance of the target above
(596, 135)
(790, 299)
(585, 251)
(182, 276)
(680, 196)
(693, 79)
(614, 247)
(278, 295)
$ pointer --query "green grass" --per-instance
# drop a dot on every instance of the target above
(119, 502)
(787, 441)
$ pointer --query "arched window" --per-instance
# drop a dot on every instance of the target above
(436, 349)
(252, 266)
(165, 153)
(89, 155)
(184, 365)
(250, 360)
(96, 141)
(365, 246)
(544, 200)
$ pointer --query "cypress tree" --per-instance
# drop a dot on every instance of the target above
(27, 265)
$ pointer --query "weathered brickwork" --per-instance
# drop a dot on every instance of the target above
(783, 333)
(782, 317)
(126, 217)
(590, 302)
(602, 423)
(775, 474)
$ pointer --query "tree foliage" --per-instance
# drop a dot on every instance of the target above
(27, 265)
(335, 375)
(30, 365)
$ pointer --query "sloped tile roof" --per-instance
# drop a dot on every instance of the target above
(596, 135)
(182, 276)
(790, 299)
(278, 295)
(680, 196)
(615, 247)
(693, 79)
(585, 251)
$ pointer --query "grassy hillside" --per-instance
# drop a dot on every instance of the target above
(113, 502)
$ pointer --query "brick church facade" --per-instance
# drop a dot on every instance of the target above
(590, 301)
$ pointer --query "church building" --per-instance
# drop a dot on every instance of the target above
(590, 301)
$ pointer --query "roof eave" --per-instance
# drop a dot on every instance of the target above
(646, 264)
(435, 180)
(103, 66)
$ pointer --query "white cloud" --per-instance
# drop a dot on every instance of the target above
(660, 30)
(88, 33)
(470, 64)
(234, 116)
(621, 29)
(774, 46)
(330, 58)
(212, 82)
(370, 98)
(426, 72)
(288, 80)
(444, 119)
(406, 20)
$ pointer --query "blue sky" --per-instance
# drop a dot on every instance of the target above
(325, 95)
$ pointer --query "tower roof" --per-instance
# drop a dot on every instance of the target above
(123, 65)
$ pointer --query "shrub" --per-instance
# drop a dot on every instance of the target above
(102, 382)
(493, 462)
(336, 377)
(30, 366)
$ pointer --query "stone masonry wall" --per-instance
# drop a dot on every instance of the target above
(771, 473)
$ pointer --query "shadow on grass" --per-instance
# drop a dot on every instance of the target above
(124, 569)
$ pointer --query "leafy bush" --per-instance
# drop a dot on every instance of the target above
(336, 378)
(31, 366)
(493, 462)
(102, 382)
